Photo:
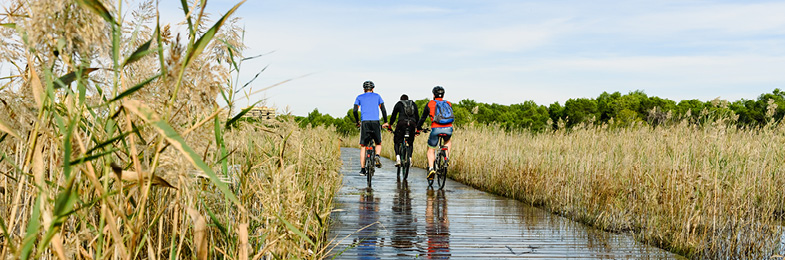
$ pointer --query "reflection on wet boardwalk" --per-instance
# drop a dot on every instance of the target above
(405, 220)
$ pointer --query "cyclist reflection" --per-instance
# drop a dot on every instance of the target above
(437, 226)
(404, 231)
(369, 216)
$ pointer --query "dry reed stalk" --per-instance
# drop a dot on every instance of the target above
(200, 236)
(68, 123)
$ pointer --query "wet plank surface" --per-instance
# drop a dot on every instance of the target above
(405, 220)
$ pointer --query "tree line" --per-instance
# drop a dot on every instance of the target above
(613, 109)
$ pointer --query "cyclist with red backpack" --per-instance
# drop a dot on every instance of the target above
(405, 112)
(440, 112)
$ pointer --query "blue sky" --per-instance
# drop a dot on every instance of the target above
(508, 52)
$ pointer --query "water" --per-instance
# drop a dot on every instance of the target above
(405, 220)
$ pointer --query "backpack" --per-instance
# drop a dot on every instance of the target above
(408, 108)
(443, 113)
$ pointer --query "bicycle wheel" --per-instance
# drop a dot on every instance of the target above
(441, 174)
(405, 170)
(369, 167)
(405, 163)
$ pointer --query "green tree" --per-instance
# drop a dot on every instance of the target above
(581, 110)
(346, 125)
(556, 112)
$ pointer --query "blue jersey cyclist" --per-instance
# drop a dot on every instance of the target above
(369, 103)
(436, 128)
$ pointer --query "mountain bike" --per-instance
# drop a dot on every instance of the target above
(440, 163)
(406, 160)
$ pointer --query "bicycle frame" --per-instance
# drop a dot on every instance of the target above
(405, 159)
(440, 163)
(405, 151)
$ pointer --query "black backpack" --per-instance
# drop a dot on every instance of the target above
(408, 108)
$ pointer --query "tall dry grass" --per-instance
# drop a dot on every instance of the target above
(702, 188)
(706, 191)
(112, 144)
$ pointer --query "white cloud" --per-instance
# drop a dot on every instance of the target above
(506, 39)
(503, 52)
(678, 18)
(421, 9)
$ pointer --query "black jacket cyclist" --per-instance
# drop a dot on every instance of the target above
(405, 112)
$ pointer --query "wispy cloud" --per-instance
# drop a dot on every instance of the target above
(421, 9)
(741, 18)
(510, 51)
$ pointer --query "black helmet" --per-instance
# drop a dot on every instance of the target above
(438, 91)
(368, 85)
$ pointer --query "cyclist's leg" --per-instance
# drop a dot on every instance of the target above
(375, 130)
(363, 136)
(397, 140)
(433, 141)
(448, 144)
(448, 140)
(362, 156)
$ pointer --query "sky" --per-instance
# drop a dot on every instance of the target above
(507, 52)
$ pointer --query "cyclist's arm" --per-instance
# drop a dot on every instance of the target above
(384, 112)
(425, 112)
(354, 111)
(396, 110)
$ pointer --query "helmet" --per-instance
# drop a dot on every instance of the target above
(368, 84)
(438, 91)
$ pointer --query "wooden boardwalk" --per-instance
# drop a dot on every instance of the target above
(405, 220)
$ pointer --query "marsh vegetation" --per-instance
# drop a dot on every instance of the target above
(113, 146)
(704, 188)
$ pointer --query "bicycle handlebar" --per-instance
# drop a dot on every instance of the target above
(416, 132)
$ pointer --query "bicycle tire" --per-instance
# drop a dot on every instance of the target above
(405, 163)
(369, 167)
(441, 174)
(405, 171)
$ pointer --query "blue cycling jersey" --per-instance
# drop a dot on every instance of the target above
(369, 105)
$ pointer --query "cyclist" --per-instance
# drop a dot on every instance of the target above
(439, 110)
(369, 103)
(405, 111)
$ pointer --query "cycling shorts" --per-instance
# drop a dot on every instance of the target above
(433, 139)
(370, 130)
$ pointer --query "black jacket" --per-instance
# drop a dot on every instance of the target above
(399, 114)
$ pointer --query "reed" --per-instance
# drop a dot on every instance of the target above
(704, 190)
(112, 145)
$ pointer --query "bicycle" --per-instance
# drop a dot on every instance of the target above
(440, 163)
(406, 162)
(370, 160)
